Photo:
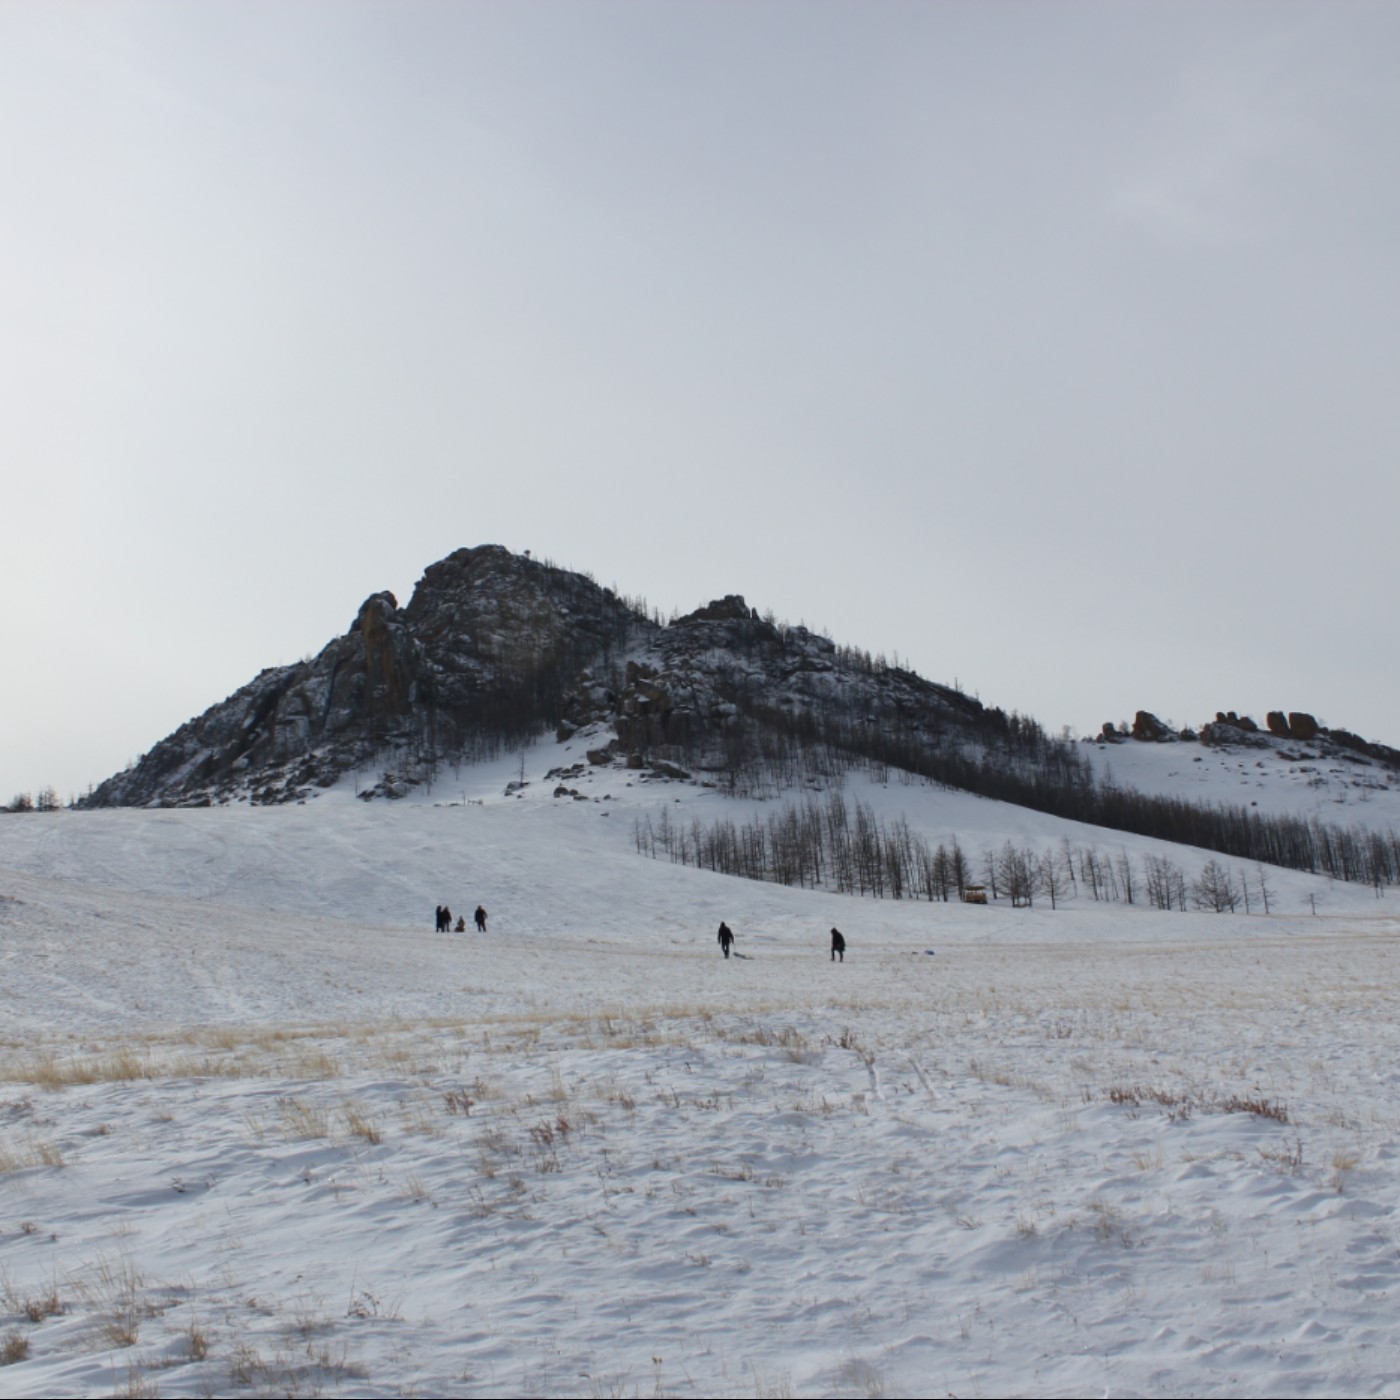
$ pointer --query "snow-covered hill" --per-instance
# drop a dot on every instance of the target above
(265, 1131)
(1278, 776)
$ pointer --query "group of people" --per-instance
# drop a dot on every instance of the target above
(838, 942)
(444, 920)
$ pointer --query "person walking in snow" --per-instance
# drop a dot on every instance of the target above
(726, 937)
(446, 919)
(437, 919)
(480, 917)
(838, 946)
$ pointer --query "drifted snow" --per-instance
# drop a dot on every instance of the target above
(610, 1162)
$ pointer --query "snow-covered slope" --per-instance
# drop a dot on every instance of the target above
(1278, 776)
(264, 1131)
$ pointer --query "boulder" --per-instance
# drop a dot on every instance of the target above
(1302, 725)
(662, 769)
(1148, 728)
(1241, 722)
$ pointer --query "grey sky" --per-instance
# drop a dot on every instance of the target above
(1051, 346)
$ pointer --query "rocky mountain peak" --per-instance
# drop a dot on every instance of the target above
(495, 648)
(481, 655)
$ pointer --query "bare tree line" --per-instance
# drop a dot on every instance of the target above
(1010, 758)
(827, 843)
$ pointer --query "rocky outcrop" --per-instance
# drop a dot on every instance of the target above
(1147, 728)
(480, 656)
(1349, 743)
(495, 649)
(1302, 726)
(731, 608)
(1233, 721)
(1295, 727)
(1296, 724)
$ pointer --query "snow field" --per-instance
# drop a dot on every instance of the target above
(904, 1188)
(263, 1132)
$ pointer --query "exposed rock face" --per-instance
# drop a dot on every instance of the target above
(1234, 721)
(1148, 728)
(1302, 725)
(1297, 726)
(484, 648)
(730, 608)
(1230, 728)
(494, 649)
(1345, 740)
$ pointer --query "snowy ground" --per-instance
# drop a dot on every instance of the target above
(263, 1131)
(1278, 776)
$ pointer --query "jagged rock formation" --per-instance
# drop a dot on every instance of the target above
(1147, 728)
(480, 657)
(1232, 729)
(703, 688)
(494, 648)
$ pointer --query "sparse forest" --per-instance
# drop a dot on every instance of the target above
(826, 842)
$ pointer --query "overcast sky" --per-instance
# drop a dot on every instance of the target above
(1050, 346)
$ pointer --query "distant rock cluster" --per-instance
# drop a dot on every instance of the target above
(1231, 728)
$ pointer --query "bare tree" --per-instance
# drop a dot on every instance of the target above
(1054, 872)
(1161, 887)
(1214, 888)
(1019, 873)
(1264, 890)
(957, 863)
(1125, 875)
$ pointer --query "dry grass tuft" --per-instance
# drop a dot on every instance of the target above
(303, 1120)
(35, 1309)
(414, 1190)
(361, 1125)
(198, 1340)
(459, 1101)
(1260, 1107)
(34, 1152)
(139, 1387)
(122, 1328)
(1181, 1106)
